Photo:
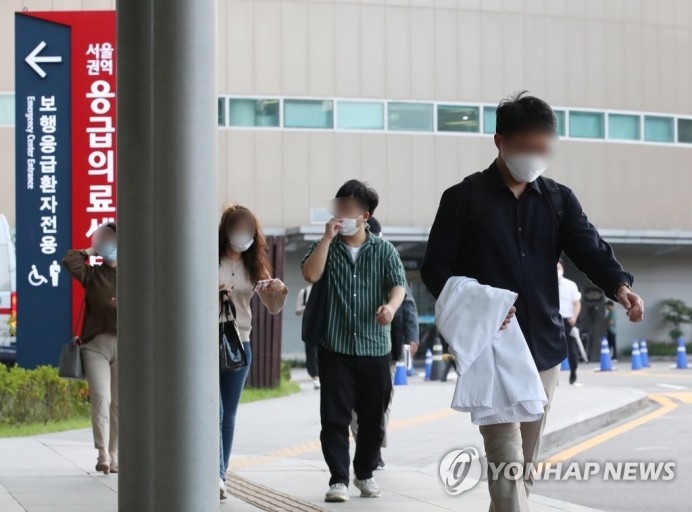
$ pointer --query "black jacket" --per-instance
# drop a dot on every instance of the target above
(517, 248)
(404, 325)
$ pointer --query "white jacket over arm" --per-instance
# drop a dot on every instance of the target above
(498, 380)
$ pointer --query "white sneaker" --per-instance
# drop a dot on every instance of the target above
(316, 383)
(222, 489)
(337, 493)
(368, 488)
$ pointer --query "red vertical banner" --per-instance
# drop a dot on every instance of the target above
(93, 59)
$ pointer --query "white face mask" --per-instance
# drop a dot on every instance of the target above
(241, 242)
(349, 227)
(525, 167)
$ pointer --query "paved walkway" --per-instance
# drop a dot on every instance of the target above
(278, 462)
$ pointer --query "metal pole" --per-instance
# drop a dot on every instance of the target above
(135, 258)
(185, 362)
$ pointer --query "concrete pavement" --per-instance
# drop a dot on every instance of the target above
(279, 465)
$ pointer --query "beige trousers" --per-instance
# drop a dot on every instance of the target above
(515, 442)
(100, 360)
(354, 416)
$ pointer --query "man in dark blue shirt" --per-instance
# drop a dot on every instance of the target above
(507, 227)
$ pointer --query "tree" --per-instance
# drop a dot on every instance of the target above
(677, 314)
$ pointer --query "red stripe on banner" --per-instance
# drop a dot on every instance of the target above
(93, 124)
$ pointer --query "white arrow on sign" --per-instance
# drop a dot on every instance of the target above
(34, 60)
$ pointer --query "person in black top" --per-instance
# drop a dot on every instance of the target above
(507, 227)
(405, 331)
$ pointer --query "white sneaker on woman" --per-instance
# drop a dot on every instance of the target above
(368, 488)
(337, 493)
(222, 489)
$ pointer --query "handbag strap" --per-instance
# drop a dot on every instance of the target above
(227, 306)
(79, 321)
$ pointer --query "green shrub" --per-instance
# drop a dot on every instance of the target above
(39, 396)
(285, 371)
(676, 314)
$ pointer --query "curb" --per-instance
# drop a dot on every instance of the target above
(557, 438)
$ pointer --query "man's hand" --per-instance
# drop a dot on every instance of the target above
(508, 319)
(385, 314)
(332, 228)
(633, 303)
(413, 348)
(114, 302)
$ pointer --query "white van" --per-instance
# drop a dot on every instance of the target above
(8, 294)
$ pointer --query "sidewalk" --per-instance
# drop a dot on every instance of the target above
(279, 464)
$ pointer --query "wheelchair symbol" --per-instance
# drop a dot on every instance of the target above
(35, 278)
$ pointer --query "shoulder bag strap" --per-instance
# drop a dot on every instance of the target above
(551, 188)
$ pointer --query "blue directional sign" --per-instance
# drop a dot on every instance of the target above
(43, 181)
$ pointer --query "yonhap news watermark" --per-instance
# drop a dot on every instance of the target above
(462, 469)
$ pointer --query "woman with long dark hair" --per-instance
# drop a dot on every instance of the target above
(243, 263)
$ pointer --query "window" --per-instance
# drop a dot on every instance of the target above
(560, 122)
(452, 118)
(685, 131)
(222, 111)
(624, 127)
(360, 115)
(410, 117)
(489, 119)
(7, 110)
(658, 129)
(309, 114)
(252, 112)
(586, 125)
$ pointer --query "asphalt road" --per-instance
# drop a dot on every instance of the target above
(661, 434)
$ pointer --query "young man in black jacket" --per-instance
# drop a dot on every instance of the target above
(506, 227)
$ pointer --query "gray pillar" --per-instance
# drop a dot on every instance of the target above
(186, 364)
(135, 258)
(169, 234)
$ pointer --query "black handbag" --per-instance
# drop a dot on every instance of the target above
(232, 355)
(70, 365)
(314, 328)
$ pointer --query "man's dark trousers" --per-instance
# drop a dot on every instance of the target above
(363, 384)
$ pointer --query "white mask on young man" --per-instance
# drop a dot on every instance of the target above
(525, 167)
(349, 227)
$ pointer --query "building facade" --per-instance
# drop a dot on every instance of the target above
(402, 94)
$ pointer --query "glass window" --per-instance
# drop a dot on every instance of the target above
(222, 111)
(360, 115)
(658, 129)
(560, 121)
(308, 114)
(624, 127)
(586, 125)
(7, 110)
(410, 117)
(457, 118)
(685, 131)
(251, 112)
(489, 119)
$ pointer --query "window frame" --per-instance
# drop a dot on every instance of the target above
(438, 103)
(433, 106)
(383, 103)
